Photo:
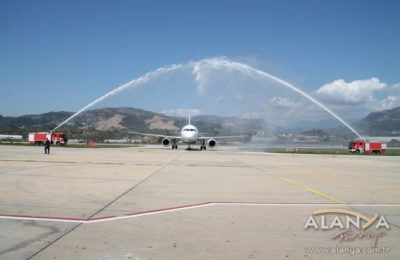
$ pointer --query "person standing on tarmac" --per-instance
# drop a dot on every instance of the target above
(47, 146)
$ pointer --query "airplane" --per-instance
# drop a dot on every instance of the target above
(189, 135)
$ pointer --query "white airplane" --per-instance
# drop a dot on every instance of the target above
(189, 135)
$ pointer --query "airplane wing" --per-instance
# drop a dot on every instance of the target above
(157, 135)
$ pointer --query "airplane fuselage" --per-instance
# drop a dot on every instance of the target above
(189, 134)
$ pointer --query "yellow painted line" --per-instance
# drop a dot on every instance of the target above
(313, 191)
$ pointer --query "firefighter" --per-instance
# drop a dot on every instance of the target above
(47, 146)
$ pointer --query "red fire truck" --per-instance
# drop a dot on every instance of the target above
(365, 146)
(39, 138)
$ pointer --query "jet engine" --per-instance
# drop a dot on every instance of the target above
(211, 143)
(166, 142)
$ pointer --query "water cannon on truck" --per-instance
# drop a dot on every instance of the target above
(38, 138)
(366, 146)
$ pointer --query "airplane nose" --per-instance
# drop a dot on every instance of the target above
(189, 137)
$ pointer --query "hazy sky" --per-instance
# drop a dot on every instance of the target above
(61, 55)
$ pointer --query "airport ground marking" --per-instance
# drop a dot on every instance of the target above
(92, 220)
(313, 191)
(299, 185)
(83, 221)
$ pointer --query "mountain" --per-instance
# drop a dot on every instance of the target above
(383, 123)
(33, 121)
(117, 122)
(98, 119)
(124, 118)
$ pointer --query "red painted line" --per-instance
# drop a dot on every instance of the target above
(42, 217)
(167, 209)
(162, 210)
(101, 218)
(240, 202)
(88, 220)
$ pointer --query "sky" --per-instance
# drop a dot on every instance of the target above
(62, 55)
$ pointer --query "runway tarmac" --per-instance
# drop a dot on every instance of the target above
(155, 203)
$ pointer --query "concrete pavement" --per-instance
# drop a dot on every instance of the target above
(155, 203)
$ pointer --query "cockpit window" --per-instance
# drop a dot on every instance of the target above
(189, 130)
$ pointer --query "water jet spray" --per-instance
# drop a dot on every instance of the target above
(197, 70)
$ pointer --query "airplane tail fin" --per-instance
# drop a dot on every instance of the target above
(189, 119)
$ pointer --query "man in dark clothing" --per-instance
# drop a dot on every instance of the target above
(47, 147)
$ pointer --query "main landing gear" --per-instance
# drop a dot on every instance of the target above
(203, 146)
(174, 146)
